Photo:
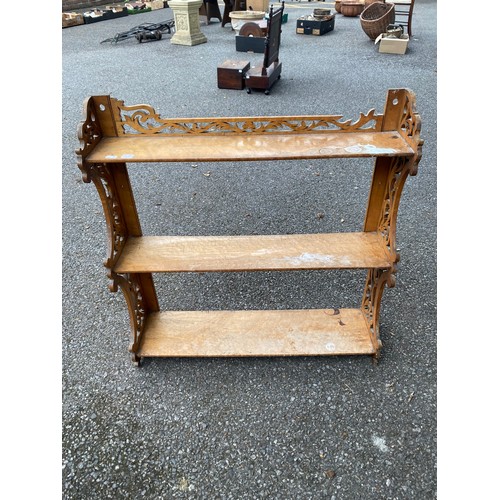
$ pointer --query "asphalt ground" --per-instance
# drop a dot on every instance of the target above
(276, 428)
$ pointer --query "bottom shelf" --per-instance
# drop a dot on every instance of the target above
(309, 332)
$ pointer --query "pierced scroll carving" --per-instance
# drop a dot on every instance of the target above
(409, 127)
(102, 178)
(89, 134)
(372, 298)
(399, 170)
(410, 119)
(132, 290)
(143, 119)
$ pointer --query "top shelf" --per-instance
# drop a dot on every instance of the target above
(241, 147)
(112, 132)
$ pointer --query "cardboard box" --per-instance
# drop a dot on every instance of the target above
(231, 74)
(391, 45)
(114, 8)
(250, 44)
(71, 19)
(155, 4)
(314, 27)
(259, 5)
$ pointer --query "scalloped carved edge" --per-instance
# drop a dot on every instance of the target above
(399, 170)
(376, 281)
(134, 296)
(89, 134)
(410, 127)
(143, 119)
(116, 228)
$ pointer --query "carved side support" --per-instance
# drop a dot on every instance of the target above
(389, 177)
(401, 115)
(398, 172)
(111, 182)
(372, 300)
(395, 171)
(89, 134)
(134, 294)
(102, 177)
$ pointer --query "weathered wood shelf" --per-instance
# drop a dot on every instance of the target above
(112, 135)
(321, 332)
(159, 254)
(198, 148)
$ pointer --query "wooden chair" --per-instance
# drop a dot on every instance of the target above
(403, 9)
(264, 76)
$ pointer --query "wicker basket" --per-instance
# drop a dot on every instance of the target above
(376, 17)
(369, 2)
(351, 8)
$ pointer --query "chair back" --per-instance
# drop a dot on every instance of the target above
(273, 37)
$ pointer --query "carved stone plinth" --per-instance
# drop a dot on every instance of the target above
(187, 22)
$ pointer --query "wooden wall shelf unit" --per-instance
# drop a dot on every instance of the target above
(113, 134)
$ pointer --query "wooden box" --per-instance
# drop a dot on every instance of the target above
(231, 74)
(315, 27)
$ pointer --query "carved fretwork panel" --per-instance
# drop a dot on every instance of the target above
(398, 172)
(89, 134)
(101, 176)
(372, 298)
(143, 119)
(409, 128)
(130, 285)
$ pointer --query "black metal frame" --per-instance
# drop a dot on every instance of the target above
(145, 31)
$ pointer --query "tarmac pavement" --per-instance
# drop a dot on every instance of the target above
(275, 428)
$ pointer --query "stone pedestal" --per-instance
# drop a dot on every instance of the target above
(187, 22)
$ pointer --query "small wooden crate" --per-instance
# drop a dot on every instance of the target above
(231, 74)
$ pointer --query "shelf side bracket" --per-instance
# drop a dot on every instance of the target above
(136, 298)
(372, 300)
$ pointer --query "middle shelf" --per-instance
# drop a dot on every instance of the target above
(158, 254)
